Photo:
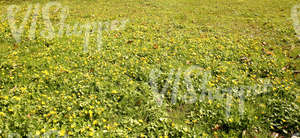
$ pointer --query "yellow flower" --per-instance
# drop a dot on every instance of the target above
(141, 121)
(234, 82)
(211, 84)
(298, 98)
(37, 133)
(91, 133)
(62, 132)
(23, 89)
(95, 122)
(45, 72)
(73, 125)
(45, 115)
(107, 127)
(2, 114)
(114, 92)
(52, 112)
(82, 130)
(91, 113)
(262, 105)
(187, 121)
(43, 130)
(230, 120)
(69, 108)
(17, 98)
(209, 101)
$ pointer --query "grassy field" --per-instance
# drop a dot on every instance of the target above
(226, 68)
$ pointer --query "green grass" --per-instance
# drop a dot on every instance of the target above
(48, 85)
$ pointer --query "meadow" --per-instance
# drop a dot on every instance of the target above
(155, 68)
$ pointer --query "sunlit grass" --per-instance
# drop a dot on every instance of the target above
(52, 85)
